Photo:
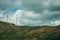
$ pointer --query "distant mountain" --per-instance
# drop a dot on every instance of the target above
(9, 31)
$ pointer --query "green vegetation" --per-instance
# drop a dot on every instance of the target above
(13, 32)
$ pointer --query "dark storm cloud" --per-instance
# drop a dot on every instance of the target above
(54, 8)
(41, 5)
(5, 4)
(33, 5)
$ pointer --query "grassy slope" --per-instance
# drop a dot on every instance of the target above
(13, 32)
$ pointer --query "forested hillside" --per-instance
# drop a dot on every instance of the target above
(9, 31)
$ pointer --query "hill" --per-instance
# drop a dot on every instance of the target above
(9, 31)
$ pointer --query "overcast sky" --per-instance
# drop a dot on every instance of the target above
(30, 12)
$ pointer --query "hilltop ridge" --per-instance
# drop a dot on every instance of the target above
(9, 31)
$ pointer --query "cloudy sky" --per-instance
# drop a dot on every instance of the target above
(30, 12)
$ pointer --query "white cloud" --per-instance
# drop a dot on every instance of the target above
(23, 18)
(1, 15)
(46, 3)
(57, 22)
(55, 2)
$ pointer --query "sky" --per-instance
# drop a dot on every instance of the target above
(30, 12)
